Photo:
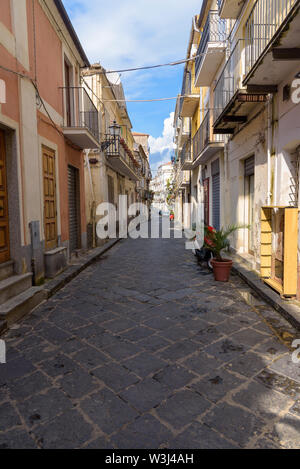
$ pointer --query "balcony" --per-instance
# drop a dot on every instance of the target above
(121, 158)
(211, 49)
(188, 101)
(186, 156)
(232, 102)
(184, 131)
(81, 120)
(205, 143)
(230, 8)
(272, 43)
(184, 179)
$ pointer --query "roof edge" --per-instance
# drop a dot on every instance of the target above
(66, 19)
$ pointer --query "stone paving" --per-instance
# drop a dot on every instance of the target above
(144, 350)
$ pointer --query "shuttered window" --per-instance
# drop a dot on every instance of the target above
(111, 190)
(249, 166)
(215, 169)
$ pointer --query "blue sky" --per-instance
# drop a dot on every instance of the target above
(132, 33)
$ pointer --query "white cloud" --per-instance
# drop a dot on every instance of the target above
(164, 159)
(165, 141)
(133, 33)
(162, 146)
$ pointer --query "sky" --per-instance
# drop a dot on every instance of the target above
(134, 33)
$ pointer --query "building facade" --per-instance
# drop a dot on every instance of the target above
(46, 120)
(118, 166)
(159, 187)
(244, 160)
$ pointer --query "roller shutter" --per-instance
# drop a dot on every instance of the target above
(74, 209)
(215, 168)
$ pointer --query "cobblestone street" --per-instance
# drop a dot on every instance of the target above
(144, 350)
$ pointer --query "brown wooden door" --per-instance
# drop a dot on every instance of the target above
(4, 220)
(50, 215)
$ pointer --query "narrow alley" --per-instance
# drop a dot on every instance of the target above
(144, 350)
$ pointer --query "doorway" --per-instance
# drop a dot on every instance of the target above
(74, 209)
(50, 212)
(4, 219)
(249, 201)
(206, 201)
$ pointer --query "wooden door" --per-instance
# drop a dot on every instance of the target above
(4, 220)
(50, 215)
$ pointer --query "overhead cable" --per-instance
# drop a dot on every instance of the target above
(147, 67)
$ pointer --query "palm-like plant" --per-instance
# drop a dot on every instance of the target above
(217, 240)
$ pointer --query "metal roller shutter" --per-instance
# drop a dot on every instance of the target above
(74, 208)
(249, 166)
(215, 169)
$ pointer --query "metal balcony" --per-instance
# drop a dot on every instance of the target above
(184, 132)
(205, 143)
(184, 179)
(188, 101)
(121, 158)
(186, 156)
(232, 102)
(272, 46)
(81, 118)
(230, 8)
(211, 49)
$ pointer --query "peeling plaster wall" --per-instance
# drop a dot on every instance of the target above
(250, 141)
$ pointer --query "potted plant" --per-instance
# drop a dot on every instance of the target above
(217, 241)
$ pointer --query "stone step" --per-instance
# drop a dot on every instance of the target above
(13, 286)
(17, 307)
(6, 269)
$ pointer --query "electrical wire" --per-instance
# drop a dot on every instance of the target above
(140, 100)
(148, 67)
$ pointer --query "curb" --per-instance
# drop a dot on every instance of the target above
(56, 284)
(288, 310)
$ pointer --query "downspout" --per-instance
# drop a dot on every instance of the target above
(93, 208)
(225, 181)
(195, 26)
(269, 150)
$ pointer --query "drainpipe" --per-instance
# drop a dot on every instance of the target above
(93, 209)
(225, 181)
(269, 151)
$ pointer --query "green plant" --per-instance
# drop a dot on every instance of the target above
(217, 240)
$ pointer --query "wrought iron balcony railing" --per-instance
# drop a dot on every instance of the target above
(230, 79)
(80, 110)
(186, 87)
(185, 154)
(116, 147)
(264, 21)
(204, 136)
(214, 31)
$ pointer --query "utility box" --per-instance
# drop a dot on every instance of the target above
(279, 241)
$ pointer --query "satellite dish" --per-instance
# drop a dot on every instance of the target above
(114, 78)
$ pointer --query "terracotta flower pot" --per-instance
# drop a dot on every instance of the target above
(221, 269)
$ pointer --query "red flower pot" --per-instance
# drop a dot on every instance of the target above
(221, 269)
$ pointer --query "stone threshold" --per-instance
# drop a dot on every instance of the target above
(289, 309)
